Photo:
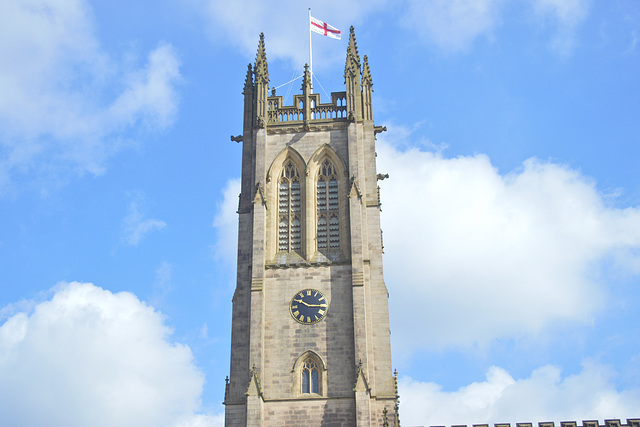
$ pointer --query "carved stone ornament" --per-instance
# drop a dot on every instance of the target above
(362, 384)
(354, 191)
(254, 388)
(379, 129)
(259, 196)
(236, 138)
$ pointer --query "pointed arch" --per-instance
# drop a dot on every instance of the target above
(310, 375)
(329, 186)
(286, 178)
(326, 151)
(276, 165)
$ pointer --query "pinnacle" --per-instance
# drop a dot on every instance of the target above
(352, 66)
(366, 72)
(306, 77)
(261, 68)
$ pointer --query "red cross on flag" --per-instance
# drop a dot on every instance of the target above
(317, 26)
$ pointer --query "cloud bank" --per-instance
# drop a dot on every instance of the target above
(89, 357)
(483, 256)
(65, 102)
(545, 396)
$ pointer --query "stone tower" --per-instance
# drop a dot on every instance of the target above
(310, 334)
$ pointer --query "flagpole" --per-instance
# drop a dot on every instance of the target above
(310, 54)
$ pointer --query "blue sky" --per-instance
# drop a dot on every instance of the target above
(511, 217)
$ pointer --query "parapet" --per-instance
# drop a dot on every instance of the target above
(294, 114)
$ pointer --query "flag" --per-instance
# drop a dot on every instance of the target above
(317, 26)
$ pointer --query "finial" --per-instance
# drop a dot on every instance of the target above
(261, 68)
(366, 73)
(306, 77)
(352, 65)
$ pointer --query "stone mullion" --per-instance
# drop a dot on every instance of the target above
(309, 225)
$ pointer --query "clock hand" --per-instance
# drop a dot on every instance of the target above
(302, 302)
(316, 305)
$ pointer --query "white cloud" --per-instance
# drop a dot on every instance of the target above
(545, 396)
(89, 357)
(453, 25)
(225, 249)
(483, 256)
(136, 226)
(566, 15)
(65, 102)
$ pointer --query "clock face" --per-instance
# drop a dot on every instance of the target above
(308, 306)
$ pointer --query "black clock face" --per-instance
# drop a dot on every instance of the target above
(308, 306)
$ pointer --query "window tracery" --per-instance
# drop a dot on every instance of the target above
(310, 377)
(289, 209)
(327, 203)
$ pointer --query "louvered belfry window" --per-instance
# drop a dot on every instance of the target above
(289, 205)
(328, 207)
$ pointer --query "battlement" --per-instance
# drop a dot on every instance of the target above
(279, 113)
(631, 422)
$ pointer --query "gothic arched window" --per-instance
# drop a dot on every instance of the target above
(327, 203)
(310, 377)
(289, 205)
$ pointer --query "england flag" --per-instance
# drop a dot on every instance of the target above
(317, 26)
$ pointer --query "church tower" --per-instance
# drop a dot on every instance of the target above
(310, 333)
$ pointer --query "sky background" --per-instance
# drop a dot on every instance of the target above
(511, 216)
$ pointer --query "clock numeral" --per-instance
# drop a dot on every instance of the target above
(308, 306)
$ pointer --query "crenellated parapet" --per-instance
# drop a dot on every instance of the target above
(278, 113)
(307, 111)
(631, 422)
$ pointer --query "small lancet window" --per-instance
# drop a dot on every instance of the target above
(310, 377)
(289, 209)
(327, 204)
